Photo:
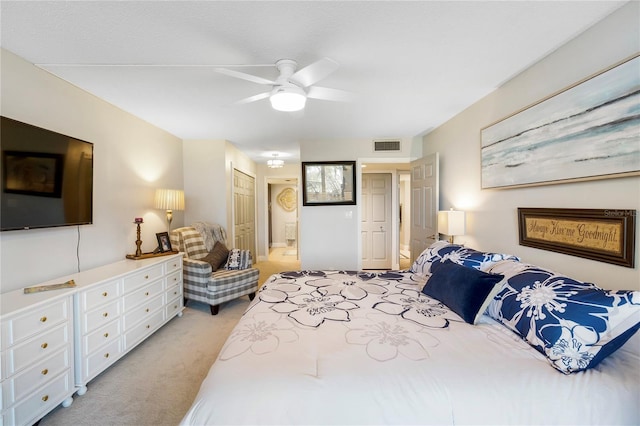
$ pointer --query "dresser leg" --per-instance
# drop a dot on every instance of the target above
(81, 390)
(67, 402)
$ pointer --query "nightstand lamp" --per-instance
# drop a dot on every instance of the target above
(451, 223)
(169, 200)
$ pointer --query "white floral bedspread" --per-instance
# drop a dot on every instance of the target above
(340, 347)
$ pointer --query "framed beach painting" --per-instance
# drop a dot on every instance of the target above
(590, 130)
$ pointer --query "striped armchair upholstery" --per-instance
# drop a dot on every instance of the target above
(203, 284)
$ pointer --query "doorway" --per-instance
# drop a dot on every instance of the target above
(397, 231)
(282, 218)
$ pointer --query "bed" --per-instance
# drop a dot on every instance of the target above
(349, 347)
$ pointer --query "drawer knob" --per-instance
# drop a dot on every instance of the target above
(106, 314)
(106, 335)
(175, 292)
(175, 278)
(148, 326)
(45, 398)
(146, 310)
(105, 294)
(45, 372)
(106, 355)
(146, 293)
(146, 277)
(43, 319)
(44, 345)
(175, 306)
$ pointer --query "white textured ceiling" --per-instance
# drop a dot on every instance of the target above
(412, 65)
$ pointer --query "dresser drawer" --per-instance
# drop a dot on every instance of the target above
(25, 354)
(100, 295)
(42, 401)
(35, 376)
(97, 362)
(143, 329)
(101, 316)
(36, 321)
(141, 278)
(173, 265)
(142, 312)
(142, 295)
(100, 337)
(173, 292)
(173, 307)
(174, 279)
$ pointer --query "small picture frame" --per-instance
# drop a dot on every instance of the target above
(164, 244)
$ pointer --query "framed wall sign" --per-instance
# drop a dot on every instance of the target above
(328, 183)
(590, 130)
(603, 235)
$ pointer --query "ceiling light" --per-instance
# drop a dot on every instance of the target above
(275, 163)
(288, 98)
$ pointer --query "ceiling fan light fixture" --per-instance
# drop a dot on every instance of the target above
(288, 99)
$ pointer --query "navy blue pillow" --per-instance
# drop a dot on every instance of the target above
(464, 290)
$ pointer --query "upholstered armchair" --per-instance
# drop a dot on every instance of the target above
(235, 277)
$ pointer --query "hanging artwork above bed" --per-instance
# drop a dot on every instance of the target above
(590, 130)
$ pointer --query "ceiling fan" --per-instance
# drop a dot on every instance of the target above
(289, 92)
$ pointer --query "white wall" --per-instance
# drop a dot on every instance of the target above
(205, 181)
(330, 235)
(208, 181)
(492, 214)
(131, 159)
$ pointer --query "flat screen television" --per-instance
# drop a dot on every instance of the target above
(47, 178)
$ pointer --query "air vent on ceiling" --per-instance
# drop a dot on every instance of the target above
(386, 145)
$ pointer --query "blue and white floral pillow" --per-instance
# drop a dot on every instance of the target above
(422, 264)
(574, 324)
(441, 251)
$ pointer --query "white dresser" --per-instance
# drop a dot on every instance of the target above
(114, 314)
(55, 342)
(36, 356)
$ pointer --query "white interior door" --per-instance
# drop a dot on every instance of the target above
(424, 203)
(376, 221)
(244, 212)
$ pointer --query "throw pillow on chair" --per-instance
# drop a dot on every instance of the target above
(217, 257)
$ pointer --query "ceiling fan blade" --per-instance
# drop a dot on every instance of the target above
(328, 94)
(243, 76)
(315, 72)
(253, 98)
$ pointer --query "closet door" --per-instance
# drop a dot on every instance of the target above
(244, 203)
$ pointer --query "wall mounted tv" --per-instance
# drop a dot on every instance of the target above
(47, 178)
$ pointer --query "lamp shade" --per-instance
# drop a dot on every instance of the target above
(451, 222)
(169, 199)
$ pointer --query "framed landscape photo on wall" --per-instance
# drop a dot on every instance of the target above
(328, 183)
(590, 130)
